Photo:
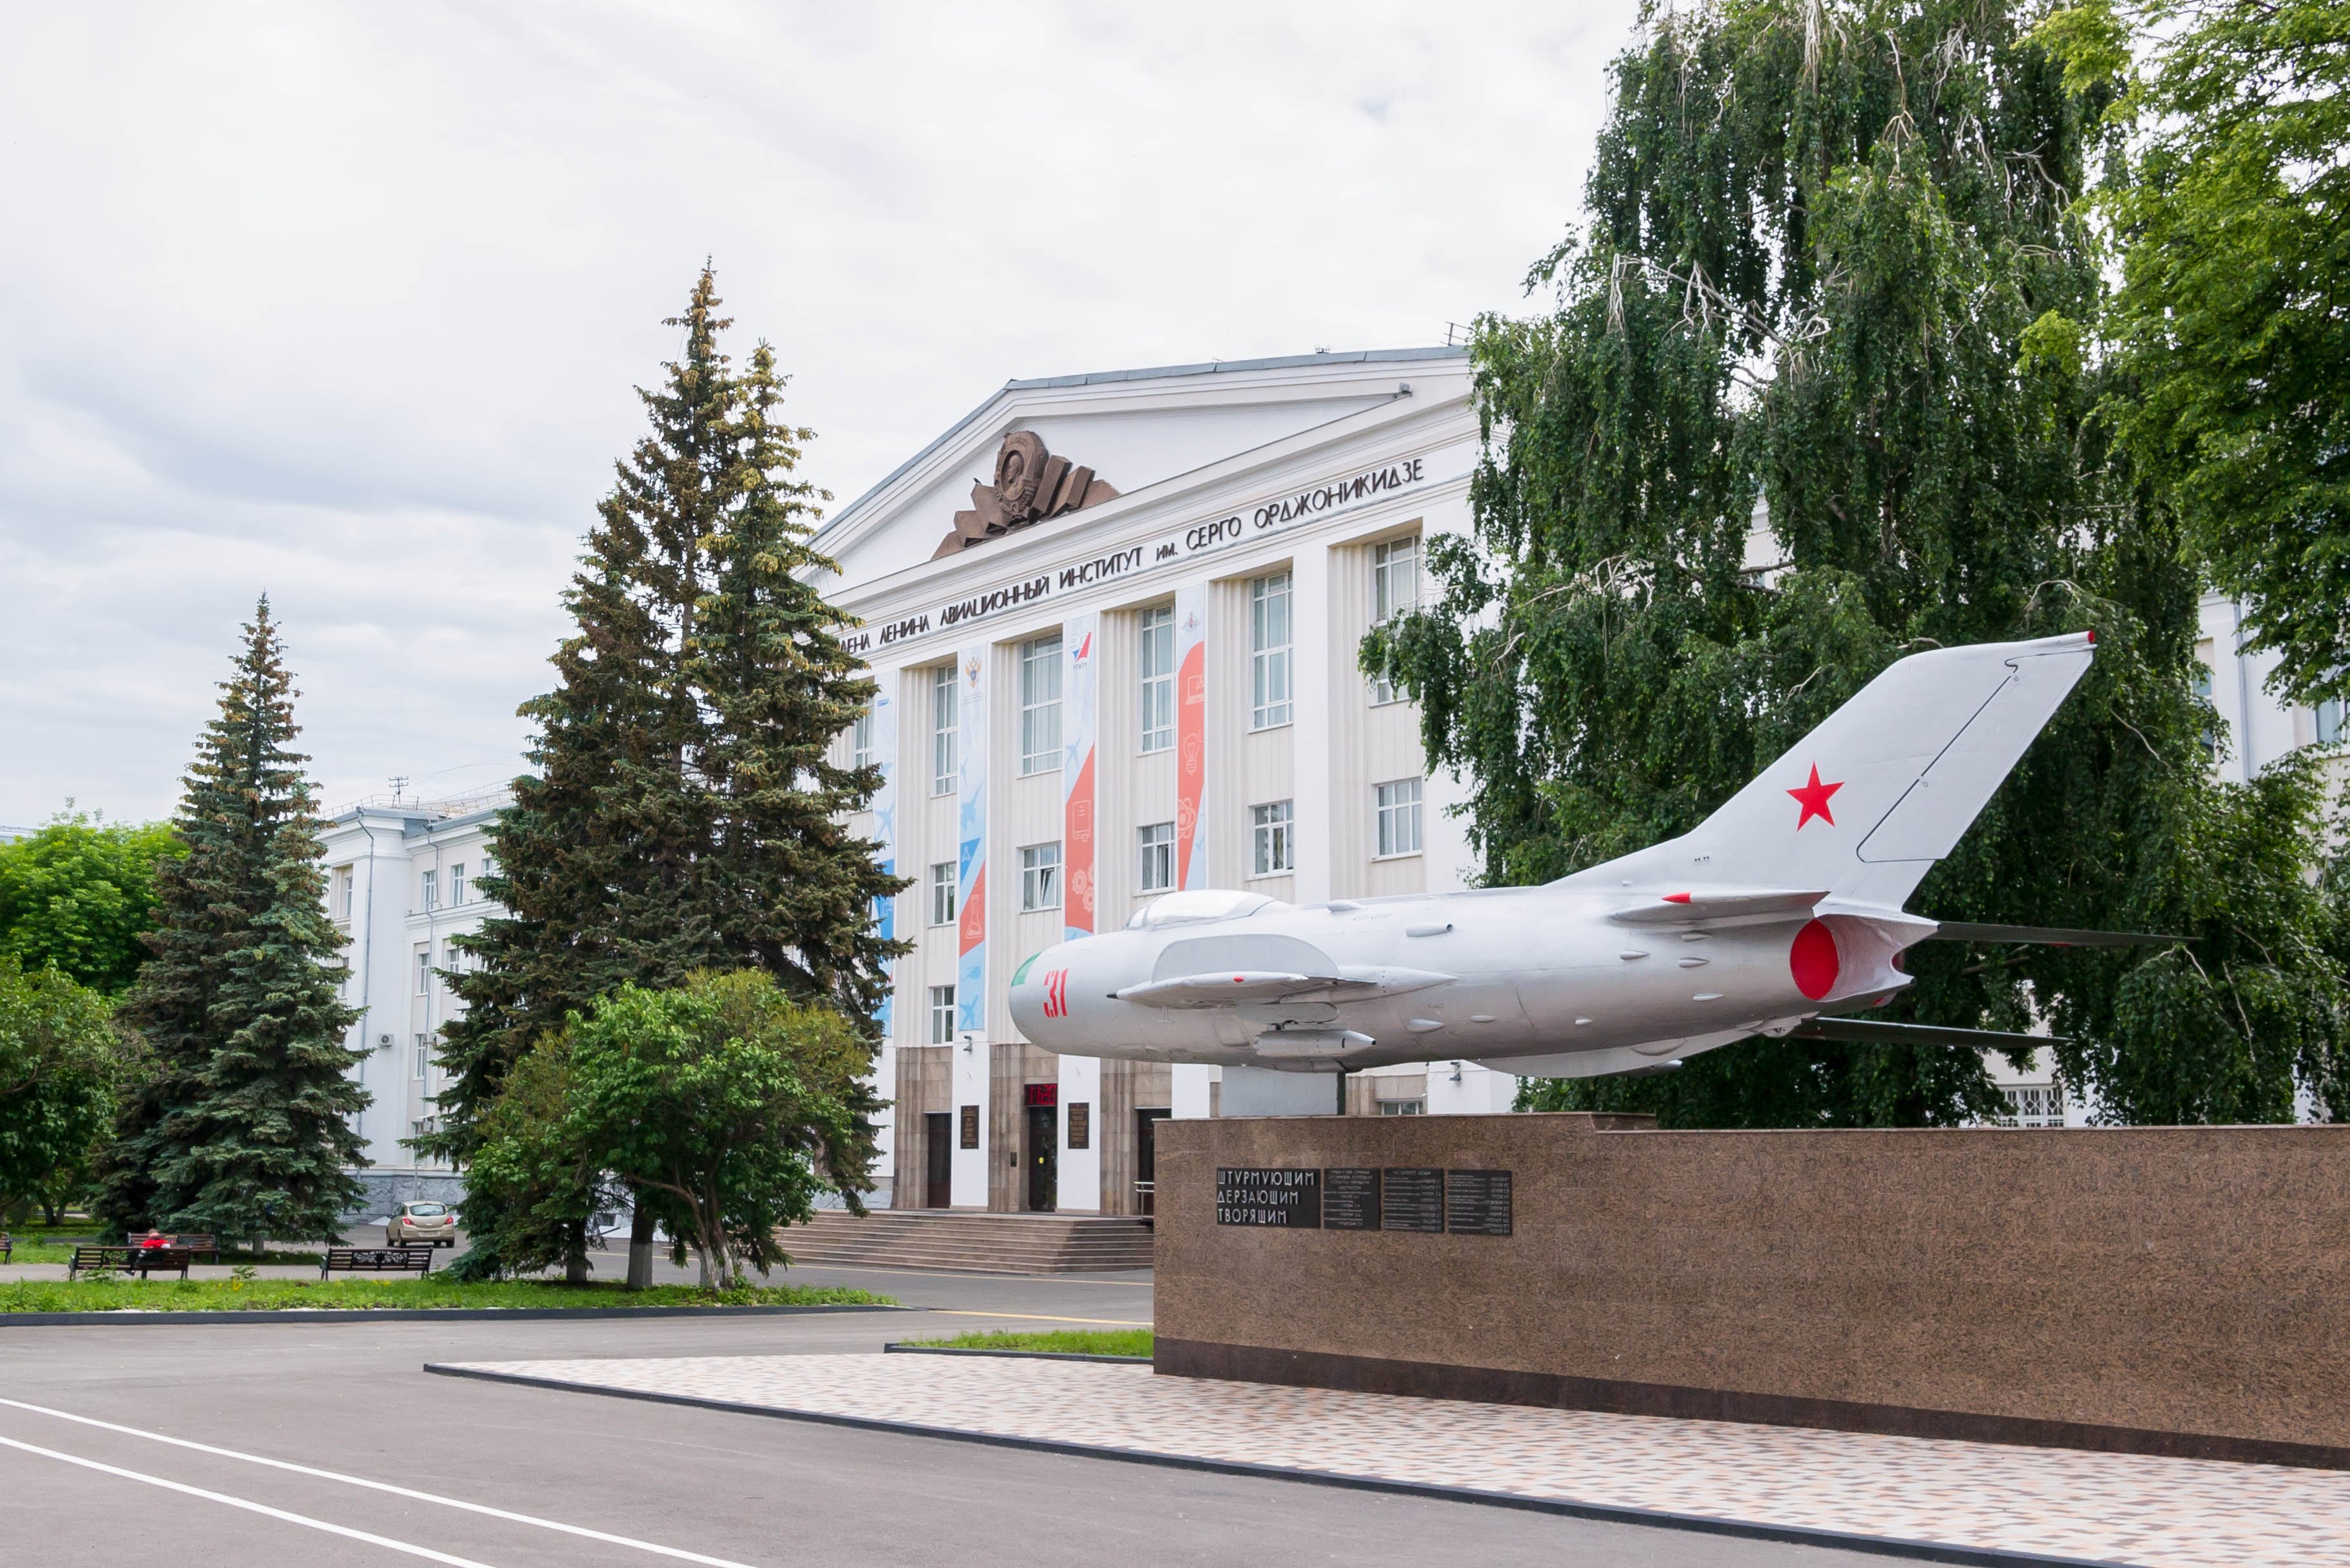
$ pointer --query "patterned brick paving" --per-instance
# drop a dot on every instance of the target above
(2106, 1507)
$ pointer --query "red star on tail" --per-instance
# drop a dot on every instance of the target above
(1814, 797)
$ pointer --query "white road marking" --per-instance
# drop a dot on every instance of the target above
(249, 1506)
(679, 1553)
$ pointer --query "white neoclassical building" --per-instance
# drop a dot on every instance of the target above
(403, 876)
(1114, 619)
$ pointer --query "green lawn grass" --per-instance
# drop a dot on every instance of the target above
(284, 1296)
(1135, 1342)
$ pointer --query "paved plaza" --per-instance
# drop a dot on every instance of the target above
(469, 1472)
(2054, 1502)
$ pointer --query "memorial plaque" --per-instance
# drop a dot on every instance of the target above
(1477, 1202)
(1412, 1198)
(970, 1127)
(1350, 1199)
(1081, 1123)
(1278, 1199)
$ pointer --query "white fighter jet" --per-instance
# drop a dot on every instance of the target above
(1778, 913)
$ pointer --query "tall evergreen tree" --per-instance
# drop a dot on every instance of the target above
(683, 812)
(244, 1127)
(1833, 267)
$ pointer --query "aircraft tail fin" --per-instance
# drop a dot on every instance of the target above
(1885, 786)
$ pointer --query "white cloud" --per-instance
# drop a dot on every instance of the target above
(346, 302)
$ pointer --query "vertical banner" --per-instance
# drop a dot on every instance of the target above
(1191, 735)
(1077, 770)
(971, 818)
(885, 832)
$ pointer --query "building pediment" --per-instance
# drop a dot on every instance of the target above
(1038, 451)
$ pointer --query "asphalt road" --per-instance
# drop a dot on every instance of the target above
(351, 1398)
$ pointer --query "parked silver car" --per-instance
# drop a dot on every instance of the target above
(414, 1224)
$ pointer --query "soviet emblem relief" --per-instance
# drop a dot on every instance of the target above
(1031, 485)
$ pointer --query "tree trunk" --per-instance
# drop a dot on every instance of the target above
(640, 1248)
(575, 1262)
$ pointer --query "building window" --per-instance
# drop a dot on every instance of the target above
(2328, 714)
(946, 732)
(342, 895)
(430, 897)
(2033, 1106)
(424, 974)
(1156, 872)
(943, 1014)
(1269, 685)
(1040, 877)
(942, 893)
(457, 883)
(862, 752)
(1395, 590)
(1040, 704)
(1274, 843)
(1401, 1107)
(423, 1056)
(1154, 655)
(2200, 682)
(1399, 810)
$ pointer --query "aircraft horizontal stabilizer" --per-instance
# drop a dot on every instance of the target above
(2049, 936)
(1871, 1031)
(1718, 904)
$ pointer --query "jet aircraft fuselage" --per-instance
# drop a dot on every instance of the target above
(1782, 906)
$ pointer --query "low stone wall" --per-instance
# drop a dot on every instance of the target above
(2167, 1290)
(387, 1190)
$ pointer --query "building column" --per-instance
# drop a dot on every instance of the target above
(1314, 844)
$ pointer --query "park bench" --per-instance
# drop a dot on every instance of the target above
(129, 1260)
(199, 1244)
(382, 1260)
(7, 1247)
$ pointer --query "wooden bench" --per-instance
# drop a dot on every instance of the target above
(380, 1259)
(7, 1247)
(209, 1246)
(129, 1260)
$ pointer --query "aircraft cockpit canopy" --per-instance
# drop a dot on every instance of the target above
(1196, 906)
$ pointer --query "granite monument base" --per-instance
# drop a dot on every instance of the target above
(2181, 1291)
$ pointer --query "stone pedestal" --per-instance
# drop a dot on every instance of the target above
(2179, 1291)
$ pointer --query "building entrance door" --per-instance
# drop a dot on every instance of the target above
(1146, 1162)
(1044, 1148)
(937, 1135)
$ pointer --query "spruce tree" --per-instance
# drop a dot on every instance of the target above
(244, 1129)
(1834, 268)
(682, 811)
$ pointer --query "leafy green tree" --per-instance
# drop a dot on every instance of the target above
(244, 1127)
(60, 1062)
(1835, 278)
(2230, 205)
(727, 1108)
(531, 1169)
(684, 811)
(723, 1106)
(79, 894)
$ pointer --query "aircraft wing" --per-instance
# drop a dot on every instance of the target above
(2050, 936)
(1716, 904)
(1873, 1031)
(1230, 987)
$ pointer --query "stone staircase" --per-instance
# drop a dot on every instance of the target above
(970, 1241)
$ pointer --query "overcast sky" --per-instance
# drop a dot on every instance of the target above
(346, 303)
